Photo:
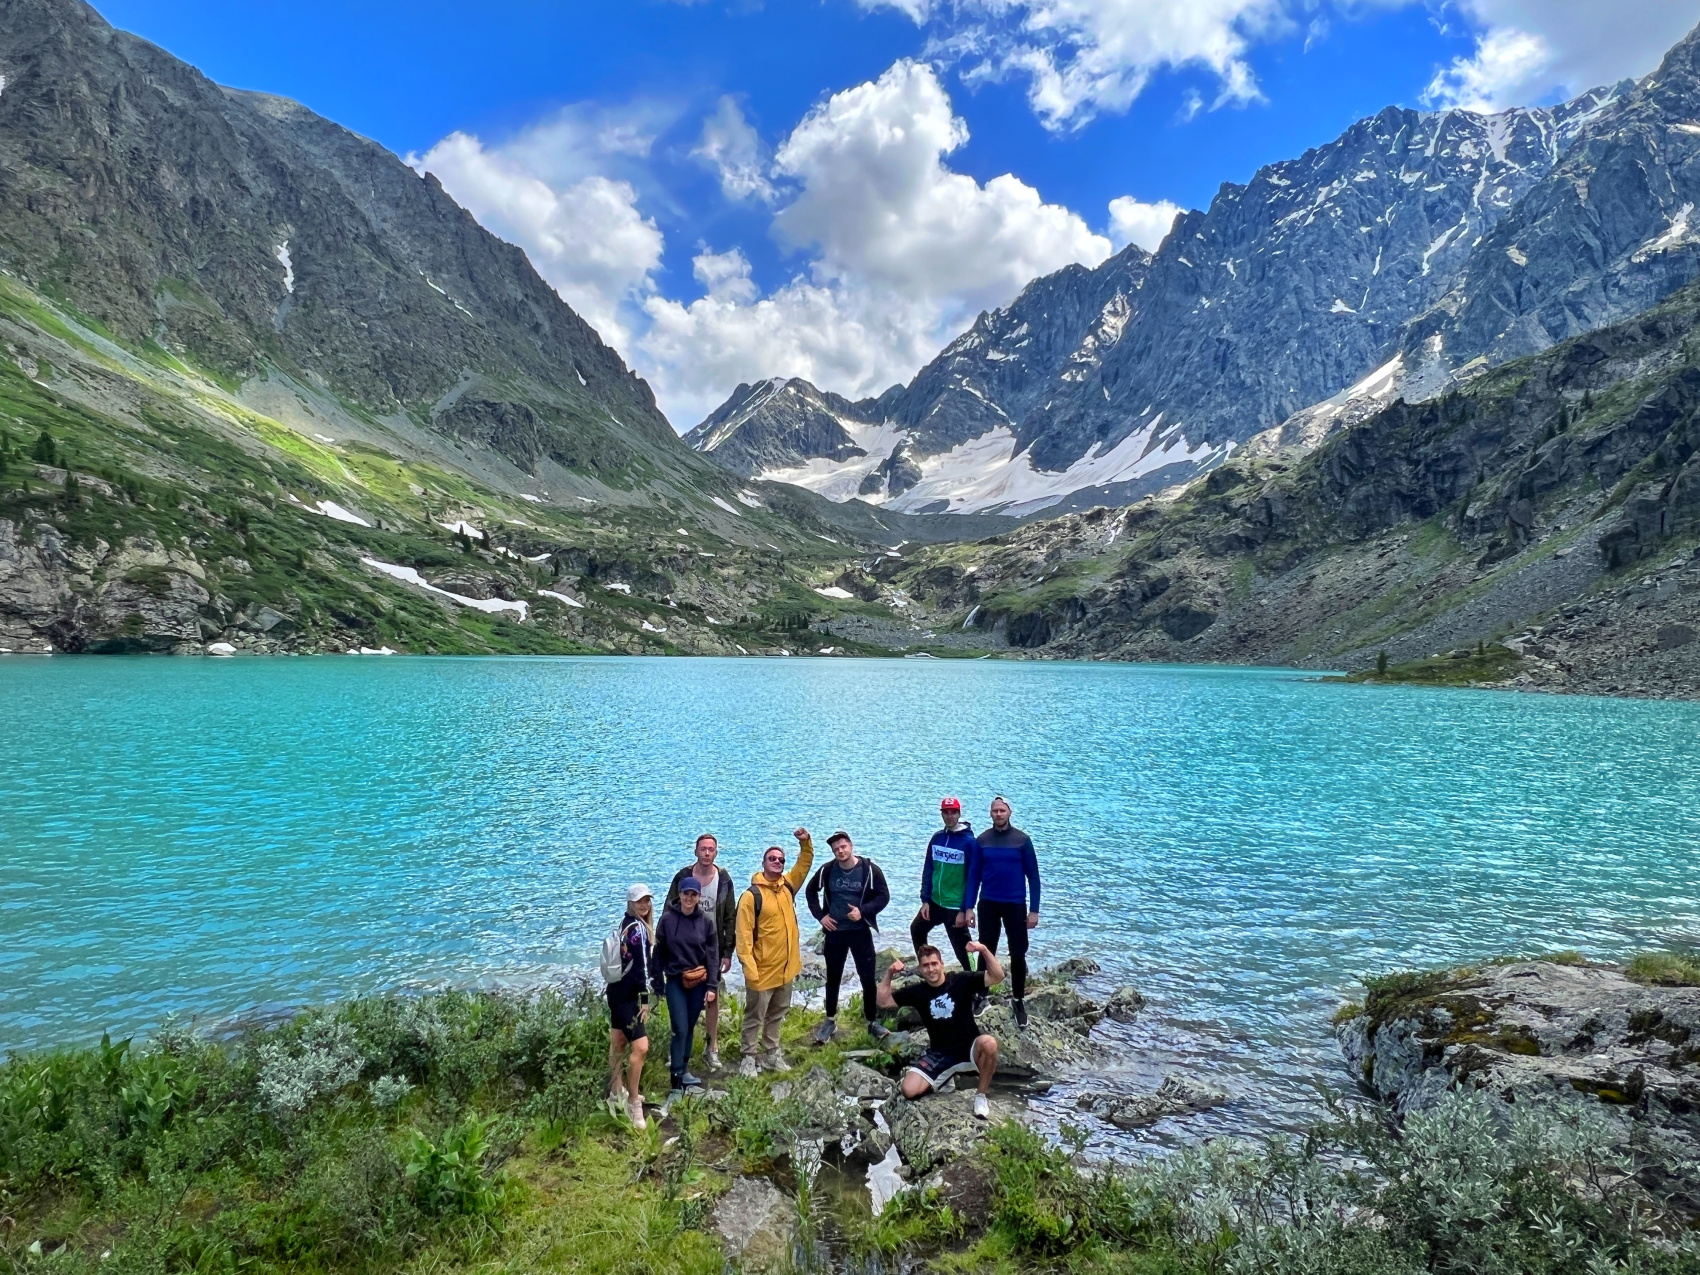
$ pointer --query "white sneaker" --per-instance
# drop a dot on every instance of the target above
(634, 1110)
(616, 1100)
(712, 1058)
(749, 1069)
(775, 1062)
(982, 1109)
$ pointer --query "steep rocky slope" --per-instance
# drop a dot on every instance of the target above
(1102, 385)
(1553, 503)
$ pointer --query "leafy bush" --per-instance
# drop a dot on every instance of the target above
(449, 1178)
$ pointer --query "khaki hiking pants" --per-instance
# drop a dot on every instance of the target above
(764, 1011)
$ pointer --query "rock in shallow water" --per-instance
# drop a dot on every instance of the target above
(755, 1222)
(1175, 1096)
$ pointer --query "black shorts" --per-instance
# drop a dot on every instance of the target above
(624, 1016)
(936, 1066)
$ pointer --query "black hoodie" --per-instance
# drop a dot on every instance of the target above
(685, 942)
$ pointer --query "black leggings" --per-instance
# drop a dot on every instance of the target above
(958, 935)
(993, 918)
(859, 944)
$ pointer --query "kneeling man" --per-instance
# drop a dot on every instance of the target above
(946, 1002)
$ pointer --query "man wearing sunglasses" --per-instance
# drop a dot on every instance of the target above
(771, 951)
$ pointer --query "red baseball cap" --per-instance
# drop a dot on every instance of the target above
(950, 803)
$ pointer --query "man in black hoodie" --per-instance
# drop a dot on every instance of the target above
(720, 904)
(854, 893)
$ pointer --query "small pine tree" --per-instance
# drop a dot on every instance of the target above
(1381, 664)
(73, 491)
(46, 451)
(1481, 646)
(484, 538)
(1563, 417)
(1587, 400)
(1552, 432)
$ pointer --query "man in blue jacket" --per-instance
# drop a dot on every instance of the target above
(952, 857)
(1007, 878)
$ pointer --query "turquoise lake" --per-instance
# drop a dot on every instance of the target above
(210, 838)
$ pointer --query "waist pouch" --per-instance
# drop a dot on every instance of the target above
(694, 977)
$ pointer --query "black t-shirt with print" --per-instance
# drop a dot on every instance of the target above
(948, 1010)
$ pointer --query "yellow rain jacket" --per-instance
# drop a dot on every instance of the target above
(771, 951)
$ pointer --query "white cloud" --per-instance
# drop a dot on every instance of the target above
(878, 203)
(1531, 50)
(1132, 221)
(581, 228)
(1507, 65)
(726, 275)
(1083, 58)
(733, 148)
(902, 251)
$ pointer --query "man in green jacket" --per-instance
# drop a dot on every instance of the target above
(719, 904)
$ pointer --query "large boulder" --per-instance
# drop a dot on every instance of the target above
(1532, 1031)
(756, 1223)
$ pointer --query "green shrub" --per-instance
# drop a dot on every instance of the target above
(449, 1177)
(1665, 969)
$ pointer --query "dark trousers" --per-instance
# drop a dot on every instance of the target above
(958, 935)
(995, 917)
(683, 1007)
(859, 944)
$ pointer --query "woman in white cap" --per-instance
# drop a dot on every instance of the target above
(628, 1004)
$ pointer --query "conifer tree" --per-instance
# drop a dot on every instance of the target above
(1381, 664)
(46, 453)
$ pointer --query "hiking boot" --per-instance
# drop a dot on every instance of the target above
(878, 1031)
(826, 1031)
(673, 1095)
(775, 1062)
(711, 1059)
(982, 1108)
(690, 1082)
(634, 1112)
(749, 1069)
(1020, 1013)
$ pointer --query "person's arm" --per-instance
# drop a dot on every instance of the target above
(673, 891)
(879, 894)
(927, 881)
(746, 928)
(993, 971)
(813, 895)
(1030, 865)
(976, 872)
(658, 959)
(883, 994)
(726, 919)
(805, 860)
(708, 951)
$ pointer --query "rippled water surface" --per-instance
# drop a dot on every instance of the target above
(204, 837)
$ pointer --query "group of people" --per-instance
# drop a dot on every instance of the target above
(987, 882)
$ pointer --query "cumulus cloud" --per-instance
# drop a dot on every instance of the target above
(901, 251)
(726, 275)
(733, 148)
(1529, 50)
(581, 228)
(1132, 221)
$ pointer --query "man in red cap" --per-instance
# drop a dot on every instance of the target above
(952, 856)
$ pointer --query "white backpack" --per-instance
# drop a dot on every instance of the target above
(614, 954)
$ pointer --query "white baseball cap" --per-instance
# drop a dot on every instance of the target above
(638, 891)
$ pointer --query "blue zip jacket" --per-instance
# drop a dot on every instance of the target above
(960, 861)
(1007, 871)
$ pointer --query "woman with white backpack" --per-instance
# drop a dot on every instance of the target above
(632, 973)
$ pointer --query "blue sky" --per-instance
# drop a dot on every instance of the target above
(737, 188)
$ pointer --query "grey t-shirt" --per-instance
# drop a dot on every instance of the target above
(710, 895)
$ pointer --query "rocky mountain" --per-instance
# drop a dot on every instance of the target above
(1607, 233)
(1538, 526)
(1096, 386)
(267, 388)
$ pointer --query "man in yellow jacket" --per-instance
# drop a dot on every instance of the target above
(771, 951)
